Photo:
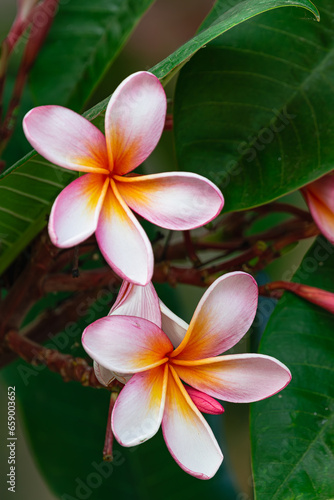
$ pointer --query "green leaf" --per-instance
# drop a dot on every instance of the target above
(13, 243)
(292, 432)
(84, 40)
(26, 198)
(221, 19)
(254, 112)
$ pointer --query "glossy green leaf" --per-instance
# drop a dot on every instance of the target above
(224, 16)
(25, 203)
(84, 40)
(255, 111)
(219, 24)
(292, 433)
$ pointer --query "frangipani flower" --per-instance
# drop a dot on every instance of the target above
(99, 201)
(319, 195)
(143, 302)
(162, 361)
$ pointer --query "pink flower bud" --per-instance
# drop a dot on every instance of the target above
(319, 196)
(205, 403)
(317, 296)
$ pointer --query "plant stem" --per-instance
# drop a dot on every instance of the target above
(68, 367)
(109, 438)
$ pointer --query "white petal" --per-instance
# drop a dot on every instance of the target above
(140, 301)
(138, 410)
(188, 436)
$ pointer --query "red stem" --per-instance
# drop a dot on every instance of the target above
(109, 438)
(168, 122)
(68, 367)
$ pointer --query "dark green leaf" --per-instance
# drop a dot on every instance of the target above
(26, 201)
(221, 19)
(84, 40)
(254, 112)
(292, 432)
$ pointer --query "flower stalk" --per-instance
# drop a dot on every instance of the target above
(109, 438)
(70, 368)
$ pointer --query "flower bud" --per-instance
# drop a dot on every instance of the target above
(319, 196)
(205, 403)
(315, 295)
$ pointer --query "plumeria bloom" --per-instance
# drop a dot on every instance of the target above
(162, 360)
(99, 201)
(319, 196)
(143, 302)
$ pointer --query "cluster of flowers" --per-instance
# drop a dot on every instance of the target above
(172, 372)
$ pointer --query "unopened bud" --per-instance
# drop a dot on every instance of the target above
(317, 296)
(205, 403)
(319, 196)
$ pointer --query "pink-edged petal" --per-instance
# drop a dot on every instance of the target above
(173, 200)
(222, 317)
(123, 241)
(126, 344)
(187, 435)
(75, 213)
(138, 410)
(205, 403)
(239, 378)
(323, 189)
(173, 326)
(136, 300)
(66, 139)
(134, 121)
(319, 197)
